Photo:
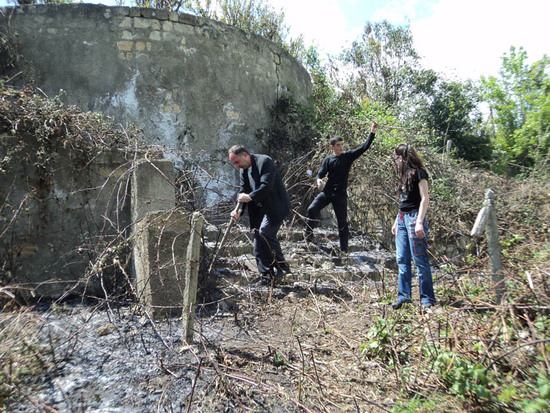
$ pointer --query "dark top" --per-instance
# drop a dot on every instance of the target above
(338, 168)
(268, 193)
(410, 201)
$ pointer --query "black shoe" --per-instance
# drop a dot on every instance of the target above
(399, 303)
(265, 281)
(281, 271)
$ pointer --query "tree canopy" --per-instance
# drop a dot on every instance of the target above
(519, 103)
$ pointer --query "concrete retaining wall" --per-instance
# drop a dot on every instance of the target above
(192, 84)
(58, 221)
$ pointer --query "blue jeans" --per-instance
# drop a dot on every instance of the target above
(408, 246)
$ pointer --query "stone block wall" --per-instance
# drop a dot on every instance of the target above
(195, 86)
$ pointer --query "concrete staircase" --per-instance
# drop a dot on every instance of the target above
(319, 264)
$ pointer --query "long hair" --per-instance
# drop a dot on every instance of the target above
(411, 163)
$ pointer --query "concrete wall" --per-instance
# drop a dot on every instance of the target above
(192, 84)
(56, 222)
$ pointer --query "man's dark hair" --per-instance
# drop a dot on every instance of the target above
(335, 139)
(238, 150)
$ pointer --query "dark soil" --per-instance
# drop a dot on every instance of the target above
(293, 348)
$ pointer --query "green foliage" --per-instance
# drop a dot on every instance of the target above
(324, 94)
(441, 189)
(254, 16)
(291, 133)
(385, 61)
(427, 109)
(540, 403)
(278, 360)
(453, 115)
(507, 245)
(35, 127)
(465, 377)
(380, 339)
(416, 404)
(174, 5)
(519, 100)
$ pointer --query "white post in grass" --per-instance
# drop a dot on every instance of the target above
(487, 220)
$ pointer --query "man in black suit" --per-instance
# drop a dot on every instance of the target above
(263, 193)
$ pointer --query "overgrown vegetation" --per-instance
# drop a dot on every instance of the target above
(468, 354)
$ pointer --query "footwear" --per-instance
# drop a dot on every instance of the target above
(427, 305)
(399, 303)
(264, 281)
(279, 274)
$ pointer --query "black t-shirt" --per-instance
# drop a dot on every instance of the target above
(410, 201)
(338, 168)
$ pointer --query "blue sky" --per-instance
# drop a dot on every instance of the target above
(460, 38)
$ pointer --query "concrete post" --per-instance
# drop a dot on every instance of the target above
(166, 248)
(487, 220)
(152, 188)
(448, 147)
(161, 242)
(191, 276)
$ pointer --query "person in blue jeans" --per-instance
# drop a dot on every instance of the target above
(411, 227)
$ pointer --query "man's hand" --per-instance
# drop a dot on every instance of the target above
(236, 213)
(374, 128)
(244, 198)
(320, 184)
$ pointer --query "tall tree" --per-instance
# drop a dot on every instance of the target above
(453, 115)
(384, 60)
(519, 101)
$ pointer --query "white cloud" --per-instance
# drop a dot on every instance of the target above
(467, 38)
(463, 38)
(322, 22)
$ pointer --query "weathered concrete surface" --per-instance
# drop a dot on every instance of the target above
(192, 84)
(166, 257)
(55, 222)
(64, 227)
(166, 248)
(152, 188)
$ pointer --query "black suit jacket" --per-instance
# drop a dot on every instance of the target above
(269, 196)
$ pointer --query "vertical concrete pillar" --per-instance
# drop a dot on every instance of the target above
(152, 188)
(192, 275)
(161, 241)
(487, 220)
(166, 251)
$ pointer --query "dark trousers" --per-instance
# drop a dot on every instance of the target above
(340, 205)
(267, 248)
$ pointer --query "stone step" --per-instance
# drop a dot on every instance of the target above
(321, 261)
(309, 266)
(241, 242)
(238, 232)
